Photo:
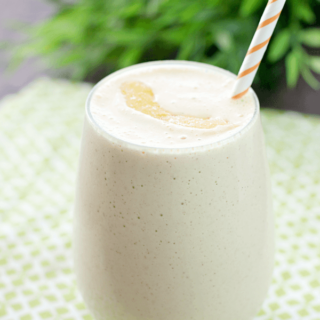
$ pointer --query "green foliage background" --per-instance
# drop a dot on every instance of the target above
(91, 38)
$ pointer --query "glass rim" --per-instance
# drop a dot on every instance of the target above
(101, 130)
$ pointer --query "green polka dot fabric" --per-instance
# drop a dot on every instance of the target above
(40, 130)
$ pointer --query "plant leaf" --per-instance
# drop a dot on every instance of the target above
(311, 37)
(249, 6)
(315, 64)
(152, 7)
(223, 40)
(310, 79)
(305, 13)
(279, 46)
(292, 68)
(129, 57)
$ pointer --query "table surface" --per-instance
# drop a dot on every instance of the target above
(40, 130)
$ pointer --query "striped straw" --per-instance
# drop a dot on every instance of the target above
(257, 48)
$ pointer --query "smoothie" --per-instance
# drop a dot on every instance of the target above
(173, 215)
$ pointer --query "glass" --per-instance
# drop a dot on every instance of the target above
(173, 234)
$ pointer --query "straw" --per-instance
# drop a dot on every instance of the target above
(257, 48)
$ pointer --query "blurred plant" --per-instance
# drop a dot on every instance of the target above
(90, 38)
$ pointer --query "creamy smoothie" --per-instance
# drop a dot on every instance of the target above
(173, 216)
(200, 95)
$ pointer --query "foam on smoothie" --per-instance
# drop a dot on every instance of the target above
(170, 106)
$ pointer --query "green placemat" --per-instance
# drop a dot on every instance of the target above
(40, 130)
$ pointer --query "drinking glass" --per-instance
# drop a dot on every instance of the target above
(173, 233)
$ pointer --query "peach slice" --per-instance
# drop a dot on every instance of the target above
(141, 98)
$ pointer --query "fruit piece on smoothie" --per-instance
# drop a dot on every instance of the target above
(140, 97)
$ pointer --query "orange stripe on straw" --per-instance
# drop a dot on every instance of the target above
(268, 21)
(272, 1)
(248, 71)
(240, 95)
(258, 47)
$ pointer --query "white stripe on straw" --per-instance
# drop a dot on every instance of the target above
(257, 48)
